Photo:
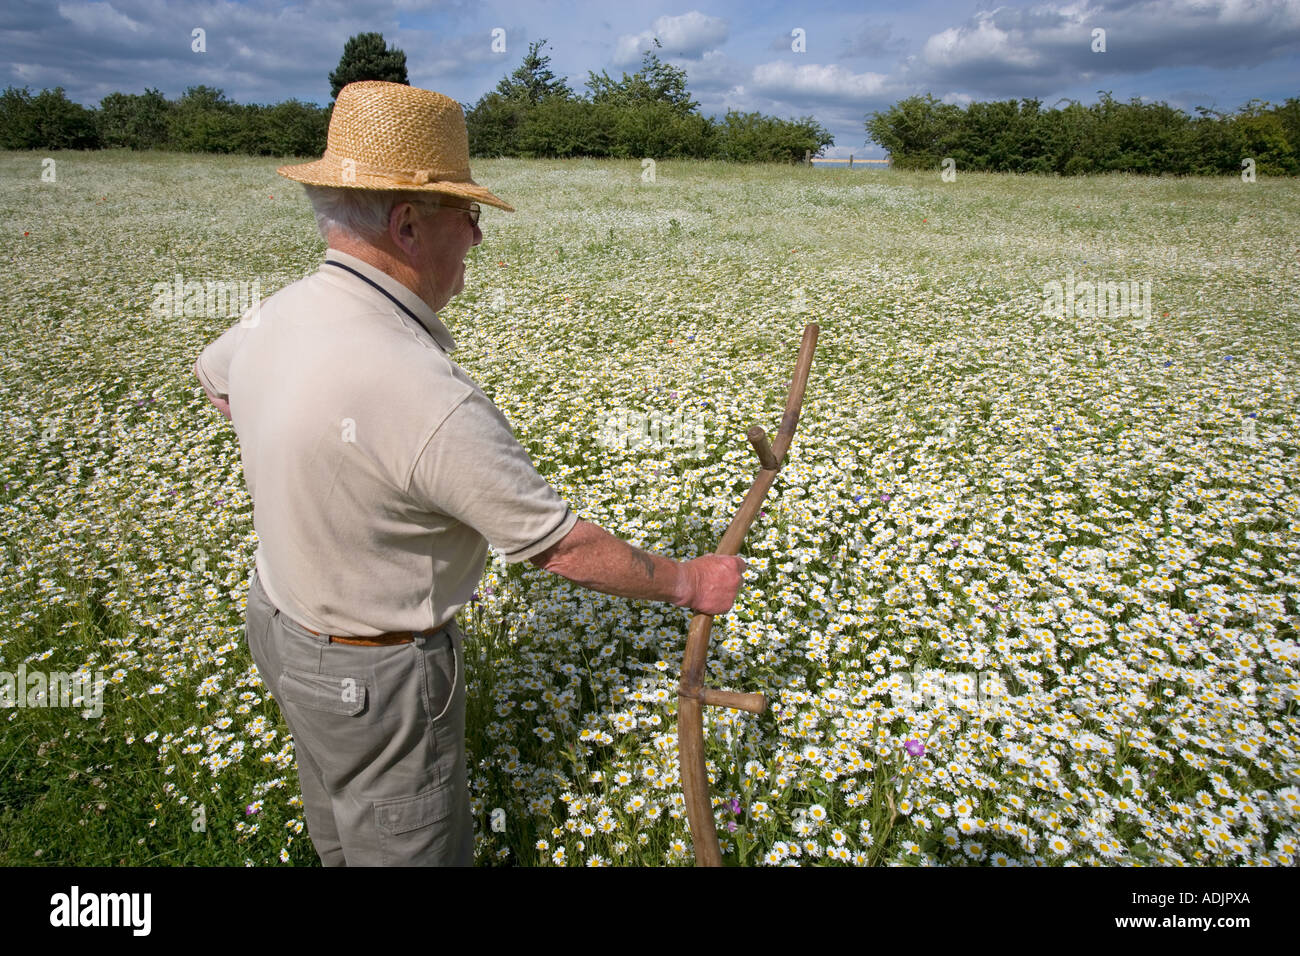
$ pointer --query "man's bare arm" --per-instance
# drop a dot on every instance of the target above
(592, 557)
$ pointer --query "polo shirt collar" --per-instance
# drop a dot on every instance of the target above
(380, 285)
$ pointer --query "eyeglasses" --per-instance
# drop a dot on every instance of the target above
(472, 209)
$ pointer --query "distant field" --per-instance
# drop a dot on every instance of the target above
(1025, 592)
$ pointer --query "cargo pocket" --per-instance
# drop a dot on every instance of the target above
(334, 694)
(418, 830)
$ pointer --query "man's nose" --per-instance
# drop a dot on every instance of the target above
(478, 235)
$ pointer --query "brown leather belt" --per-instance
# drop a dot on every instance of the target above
(379, 640)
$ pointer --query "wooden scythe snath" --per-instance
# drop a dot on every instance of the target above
(692, 695)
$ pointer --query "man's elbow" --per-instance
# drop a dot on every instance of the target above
(558, 556)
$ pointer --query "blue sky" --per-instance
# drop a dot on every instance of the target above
(857, 57)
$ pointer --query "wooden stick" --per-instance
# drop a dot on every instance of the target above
(692, 695)
(766, 458)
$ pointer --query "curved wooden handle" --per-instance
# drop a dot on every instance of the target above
(692, 695)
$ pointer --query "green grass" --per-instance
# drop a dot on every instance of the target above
(967, 490)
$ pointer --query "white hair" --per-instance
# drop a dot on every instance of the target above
(358, 213)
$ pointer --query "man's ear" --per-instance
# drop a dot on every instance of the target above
(401, 226)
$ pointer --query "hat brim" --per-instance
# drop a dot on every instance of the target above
(329, 172)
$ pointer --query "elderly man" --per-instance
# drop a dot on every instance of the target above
(380, 473)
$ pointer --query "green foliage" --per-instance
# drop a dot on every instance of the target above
(657, 129)
(529, 113)
(1289, 116)
(655, 83)
(650, 113)
(493, 126)
(563, 128)
(916, 131)
(1215, 143)
(134, 121)
(298, 129)
(205, 121)
(1110, 136)
(290, 128)
(1263, 137)
(752, 137)
(366, 57)
(48, 120)
(533, 114)
(15, 105)
(533, 82)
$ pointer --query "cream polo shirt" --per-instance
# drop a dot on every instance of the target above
(379, 471)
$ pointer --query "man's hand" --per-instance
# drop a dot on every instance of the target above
(223, 406)
(709, 584)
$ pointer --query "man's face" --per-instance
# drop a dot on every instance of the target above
(445, 235)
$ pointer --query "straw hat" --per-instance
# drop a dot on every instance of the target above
(394, 136)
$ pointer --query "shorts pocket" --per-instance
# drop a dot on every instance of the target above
(441, 674)
(334, 694)
(419, 830)
(411, 813)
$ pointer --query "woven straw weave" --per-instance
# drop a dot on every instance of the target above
(392, 136)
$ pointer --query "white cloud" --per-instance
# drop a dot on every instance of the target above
(981, 42)
(781, 78)
(99, 18)
(1033, 50)
(689, 35)
(27, 72)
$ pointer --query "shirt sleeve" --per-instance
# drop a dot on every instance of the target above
(474, 470)
(213, 364)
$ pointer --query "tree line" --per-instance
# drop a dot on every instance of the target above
(1109, 136)
(201, 121)
(531, 114)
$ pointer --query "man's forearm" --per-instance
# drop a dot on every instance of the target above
(592, 557)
